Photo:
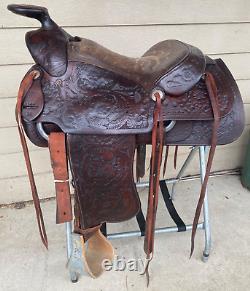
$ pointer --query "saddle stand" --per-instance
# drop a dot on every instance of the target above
(97, 110)
(74, 247)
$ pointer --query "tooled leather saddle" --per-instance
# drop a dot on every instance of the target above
(95, 109)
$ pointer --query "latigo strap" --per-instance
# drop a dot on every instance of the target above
(24, 87)
(58, 156)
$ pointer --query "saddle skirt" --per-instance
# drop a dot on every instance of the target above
(97, 108)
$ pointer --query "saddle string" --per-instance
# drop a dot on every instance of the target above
(156, 158)
(24, 87)
(212, 92)
(165, 160)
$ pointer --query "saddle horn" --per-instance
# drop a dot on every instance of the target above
(48, 44)
(37, 12)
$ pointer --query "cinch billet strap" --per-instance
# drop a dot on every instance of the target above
(24, 87)
(170, 206)
(58, 156)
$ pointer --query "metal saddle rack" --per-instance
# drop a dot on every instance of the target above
(74, 245)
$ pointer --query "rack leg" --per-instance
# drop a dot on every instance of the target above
(69, 241)
(206, 223)
(183, 168)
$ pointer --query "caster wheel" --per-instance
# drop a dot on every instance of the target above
(205, 257)
(74, 278)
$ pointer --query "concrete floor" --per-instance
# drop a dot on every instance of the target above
(26, 265)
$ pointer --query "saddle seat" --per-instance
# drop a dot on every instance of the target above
(170, 64)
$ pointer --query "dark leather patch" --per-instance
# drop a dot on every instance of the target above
(195, 104)
(102, 168)
(32, 11)
(88, 99)
(179, 133)
(49, 49)
(33, 101)
(48, 44)
(185, 74)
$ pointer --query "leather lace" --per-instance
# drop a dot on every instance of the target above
(24, 87)
(156, 158)
(212, 91)
(165, 160)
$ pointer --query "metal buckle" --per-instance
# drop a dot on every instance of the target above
(170, 126)
(40, 129)
(157, 91)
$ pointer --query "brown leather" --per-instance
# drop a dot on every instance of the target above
(155, 167)
(59, 165)
(33, 99)
(159, 64)
(109, 104)
(95, 248)
(167, 63)
(101, 167)
(48, 44)
(165, 160)
(86, 233)
(38, 12)
(212, 90)
(24, 87)
(102, 102)
(48, 49)
(95, 251)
